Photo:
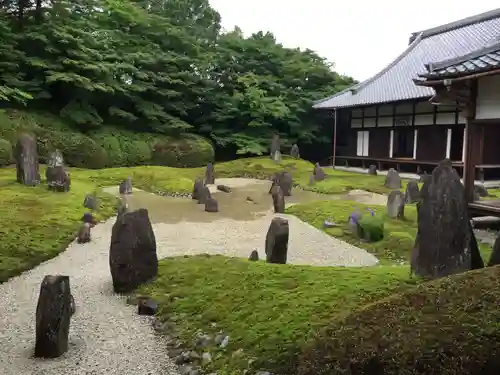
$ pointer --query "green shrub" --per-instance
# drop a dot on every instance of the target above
(5, 152)
(371, 228)
(190, 151)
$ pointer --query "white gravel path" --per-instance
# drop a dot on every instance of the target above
(307, 245)
(106, 335)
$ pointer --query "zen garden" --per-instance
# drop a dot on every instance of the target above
(166, 223)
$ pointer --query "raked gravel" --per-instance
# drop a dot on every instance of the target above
(106, 335)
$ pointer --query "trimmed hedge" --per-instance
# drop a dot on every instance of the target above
(108, 147)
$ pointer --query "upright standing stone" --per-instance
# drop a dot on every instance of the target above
(412, 193)
(277, 241)
(445, 242)
(126, 186)
(396, 205)
(53, 313)
(277, 156)
(204, 195)
(284, 181)
(197, 187)
(58, 178)
(318, 173)
(211, 205)
(132, 254)
(91, 202)
(372, 170)
(275, 145)
(311, 180)
(294, 151)
(210, 174)
(27, 167)
(254, 256)
(392, 180)
(278, 200)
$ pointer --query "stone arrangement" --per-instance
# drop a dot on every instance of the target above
(125, 187)
(132, 254)
(91, 202)
(294, 151)
(318, 173)
(53, 314)
(284, 181)
(392, 179)
(278, 200)
(204, 195)
(211, 205)
(58, 178)
(445, 242)
(275, 148)
(27, 166)
(197, 187)
(396, 205)
(210, 174)
(277, 241)
(412, 192)
(372, 170)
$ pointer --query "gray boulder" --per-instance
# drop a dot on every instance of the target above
(125, 186)
(210, 174)
(278, 200)
(277, 241)
(392, 179)
(294, 151)
(372, 170)
(26, 155)
(412, 193)
(211, 205)
(396, 205)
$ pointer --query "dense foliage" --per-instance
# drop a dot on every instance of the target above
(161, 66)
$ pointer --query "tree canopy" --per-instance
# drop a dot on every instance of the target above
(160, 66)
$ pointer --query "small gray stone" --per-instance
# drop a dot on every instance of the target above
(294, 152)
(318, 173)
(206, 358)
(392, 180)
(396, 204)
(329, 224)
(224, 188)
(254, 256)
(211, 205)
(125, 186)
(225, 342)
(372, 170)
(90, 202)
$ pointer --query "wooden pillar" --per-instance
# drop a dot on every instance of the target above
(471, 150)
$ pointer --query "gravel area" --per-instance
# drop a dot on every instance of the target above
(106, 336)
(307, 245)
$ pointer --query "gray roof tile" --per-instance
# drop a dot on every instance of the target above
(395, 82)
(482, 60)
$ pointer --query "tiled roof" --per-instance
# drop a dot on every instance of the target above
(395, 82)
(481, 60)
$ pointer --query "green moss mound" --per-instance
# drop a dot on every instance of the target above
(447, 327)
(108, 147)
(37, 224)
(6, 157)
(269, 311)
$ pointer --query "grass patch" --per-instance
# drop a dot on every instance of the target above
(449, 326)
(36, 224)
(269, 311)
(399, 235)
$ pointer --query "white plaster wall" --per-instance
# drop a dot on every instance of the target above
(488, 98)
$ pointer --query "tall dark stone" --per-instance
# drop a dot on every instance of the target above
(277, 241)
(210, 174)
(204, 195)
(412, 193)
(318, 173)
(284, 181)
(396, 204)
(83, 235)
(294, 151)
(392, 179)
(278, 200)
(27, 167)
(56, 174)
(125, 186)
(91, 202)
(132, 255)
(211, 205)
(197, 187)
(53, 314)
(275, 145)
(372, 170)
(445, 242)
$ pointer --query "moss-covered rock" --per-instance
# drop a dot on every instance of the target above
(449, 327)
(5, 152)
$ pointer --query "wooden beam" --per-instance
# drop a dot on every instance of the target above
(376, 115)
(472, 145)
